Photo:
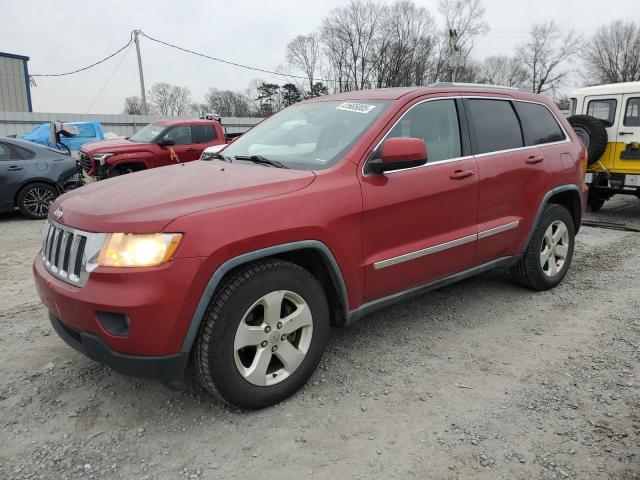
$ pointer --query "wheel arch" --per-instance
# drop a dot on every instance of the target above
(568, 196)
(312, 255)
(31, 181)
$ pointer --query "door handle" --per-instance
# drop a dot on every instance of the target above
(532, 160)
(460, 174)
(625, 133)
(14, 167)
(191, 149)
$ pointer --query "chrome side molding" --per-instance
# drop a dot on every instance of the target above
(444, 246)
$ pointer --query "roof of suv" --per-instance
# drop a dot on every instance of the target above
(454, 88)
(608, 89)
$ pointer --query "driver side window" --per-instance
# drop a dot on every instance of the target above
(181, 135)
(435, 122)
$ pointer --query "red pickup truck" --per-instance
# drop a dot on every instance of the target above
(163, 142)
(323, 213)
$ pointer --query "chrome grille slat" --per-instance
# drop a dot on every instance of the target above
(69, 254)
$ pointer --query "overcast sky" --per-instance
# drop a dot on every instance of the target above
(64, 35)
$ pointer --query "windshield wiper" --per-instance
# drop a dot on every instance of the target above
(262, 160)
(218, 156)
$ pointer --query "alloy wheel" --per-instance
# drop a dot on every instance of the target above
(273, 338)
(38, 200)
(555, 248)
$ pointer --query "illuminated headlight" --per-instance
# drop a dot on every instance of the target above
(101, 157)
(138, 250)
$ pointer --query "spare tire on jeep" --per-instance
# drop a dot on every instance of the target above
(592, 134)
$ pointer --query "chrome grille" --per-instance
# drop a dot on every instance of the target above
(70, 254)
(85, 162)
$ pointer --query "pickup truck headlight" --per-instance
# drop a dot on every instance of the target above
(138, 250)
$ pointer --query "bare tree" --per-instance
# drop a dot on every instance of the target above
(405, 46)
(351, 31)
(303, 53)
(227, 103)
(464, 21)
(170, 100)
(545, 54)
(133, 106)
(503, 70)
(612, 54)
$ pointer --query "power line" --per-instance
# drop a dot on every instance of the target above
(110, 77)
(227, 61)
(83, 68)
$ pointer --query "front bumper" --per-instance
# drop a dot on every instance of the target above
(168, 368)
(156, 304)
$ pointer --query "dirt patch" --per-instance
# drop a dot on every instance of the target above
(481, 379)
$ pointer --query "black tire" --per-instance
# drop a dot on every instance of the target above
(595, 204)
(34, 200)
(592, 134)
(214, 354)
(529, 270)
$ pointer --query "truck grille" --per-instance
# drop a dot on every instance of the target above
(70, 254)
(85, 162)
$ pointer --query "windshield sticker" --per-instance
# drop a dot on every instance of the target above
(355, 107)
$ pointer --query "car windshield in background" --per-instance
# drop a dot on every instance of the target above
(148, 133)
(309, 136)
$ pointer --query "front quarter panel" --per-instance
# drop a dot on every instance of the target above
(328, 211)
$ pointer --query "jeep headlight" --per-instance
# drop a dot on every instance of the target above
(138, 250)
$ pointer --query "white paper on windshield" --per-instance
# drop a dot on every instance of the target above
(355, 107)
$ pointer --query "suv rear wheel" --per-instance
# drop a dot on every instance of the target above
(548, 255)
(263, 334)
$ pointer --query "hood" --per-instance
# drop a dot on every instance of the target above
(115, 145)
(147, 201)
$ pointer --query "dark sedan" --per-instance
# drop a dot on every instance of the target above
(32, 176)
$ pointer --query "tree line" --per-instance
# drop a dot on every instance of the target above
(371, 44)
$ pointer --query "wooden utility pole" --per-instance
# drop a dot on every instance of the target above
(143, 95)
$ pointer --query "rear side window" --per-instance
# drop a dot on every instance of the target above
(603, 110)
(202, 133)
(435, 122)
(496, 125)
(632, 113)
(25, 153)
(5, 152)
(538, 124)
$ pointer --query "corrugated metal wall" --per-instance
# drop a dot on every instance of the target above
(13, 87)
(19, 123)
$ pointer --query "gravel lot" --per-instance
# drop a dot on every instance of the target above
(482, 379)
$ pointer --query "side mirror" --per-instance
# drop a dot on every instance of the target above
(167, 142)
(398, 153)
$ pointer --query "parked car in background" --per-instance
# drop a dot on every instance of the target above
(321, 214)
(32, 176)
(606, 118)
(161, 143)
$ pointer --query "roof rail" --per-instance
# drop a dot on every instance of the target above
(472, 85)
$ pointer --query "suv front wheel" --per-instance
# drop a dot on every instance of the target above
(263, 334)
(549, 252)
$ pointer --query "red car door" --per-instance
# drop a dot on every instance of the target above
(419, 224)
(183, 150)
(513, 174)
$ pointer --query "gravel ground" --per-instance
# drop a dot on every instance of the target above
(481, 379)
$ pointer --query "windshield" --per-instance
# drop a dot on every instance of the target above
(148, 134)
(309, 136)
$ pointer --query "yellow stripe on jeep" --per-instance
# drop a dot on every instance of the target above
(610, 161)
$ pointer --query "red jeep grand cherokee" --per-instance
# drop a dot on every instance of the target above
(326, 211)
